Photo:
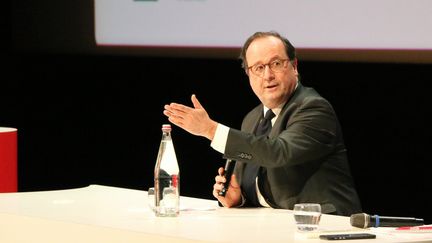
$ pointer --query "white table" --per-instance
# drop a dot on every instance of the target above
(109, 214)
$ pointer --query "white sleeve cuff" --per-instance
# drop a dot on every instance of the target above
(220, 138)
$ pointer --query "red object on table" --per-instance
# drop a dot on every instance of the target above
(8, 160)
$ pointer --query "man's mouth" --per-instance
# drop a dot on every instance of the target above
(271, 86)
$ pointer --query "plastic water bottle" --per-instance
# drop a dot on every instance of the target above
(167, 177)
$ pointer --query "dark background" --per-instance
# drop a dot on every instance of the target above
(92, 115)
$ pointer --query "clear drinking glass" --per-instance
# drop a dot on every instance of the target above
(307, 216)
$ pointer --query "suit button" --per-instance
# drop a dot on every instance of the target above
(244, 156)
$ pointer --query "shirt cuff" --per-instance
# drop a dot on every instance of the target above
(220, 138)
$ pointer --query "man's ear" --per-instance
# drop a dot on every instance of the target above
(294, 64)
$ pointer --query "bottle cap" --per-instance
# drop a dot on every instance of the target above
(166, 127)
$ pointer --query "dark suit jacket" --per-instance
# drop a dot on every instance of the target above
(304, 155)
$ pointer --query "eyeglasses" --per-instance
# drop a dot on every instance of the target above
(276, 66)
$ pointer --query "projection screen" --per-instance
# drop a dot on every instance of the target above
(344, 29)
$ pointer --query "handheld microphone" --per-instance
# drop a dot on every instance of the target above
(229, 168)
(362, 220)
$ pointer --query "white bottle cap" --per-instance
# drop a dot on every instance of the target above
(166, 127)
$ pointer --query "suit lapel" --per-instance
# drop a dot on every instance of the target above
(278, 125)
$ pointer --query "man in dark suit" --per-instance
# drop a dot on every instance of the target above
(301, 159)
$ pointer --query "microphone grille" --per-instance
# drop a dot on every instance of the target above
(360, 220)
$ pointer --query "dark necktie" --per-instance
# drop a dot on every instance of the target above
(251, 170)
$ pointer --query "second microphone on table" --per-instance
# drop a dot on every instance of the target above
(363, 220)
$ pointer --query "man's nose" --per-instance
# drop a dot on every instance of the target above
(268, 73)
